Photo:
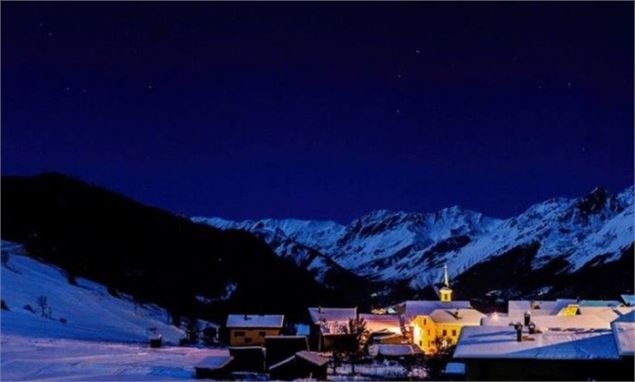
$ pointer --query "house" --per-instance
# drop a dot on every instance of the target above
(329, 329)
(628, 299)
(396, 351)
(442, 328)
(302, 365)
(248, 358)
(251, 329)
(624, 332)
(383, 328)
(574, 349)
(215, 367)
(279, 348)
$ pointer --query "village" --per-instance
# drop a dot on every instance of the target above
(443, 339)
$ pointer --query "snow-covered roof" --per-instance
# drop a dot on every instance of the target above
(379, 322)
(455, 368)
(214, 362)
(398, 350)
(254, 321)
(607, 314)
(624, 332)
(332, 314)
(600, 303)
(312, 357)
(500, 342)
(538, 307)
(551, 322)
(629, 299)
(463, 316)
(414, 308)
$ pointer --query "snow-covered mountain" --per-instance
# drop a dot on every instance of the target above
(398, 246)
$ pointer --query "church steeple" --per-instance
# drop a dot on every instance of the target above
(445, 293)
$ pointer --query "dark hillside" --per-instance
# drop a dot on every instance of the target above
(150, 253)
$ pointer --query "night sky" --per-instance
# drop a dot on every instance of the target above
(322, 111)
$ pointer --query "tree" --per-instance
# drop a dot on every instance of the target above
(5, 257)
(45, 310)
(192, 330)
(359, 339)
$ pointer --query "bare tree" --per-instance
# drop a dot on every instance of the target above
(359, 338)
(45, 310)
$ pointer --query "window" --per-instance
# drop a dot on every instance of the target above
(420, 343)
(445, 333)
(454, 332)
(239, 334)
(262, 334)
(247, 340)
(425, 321)
(428, 331)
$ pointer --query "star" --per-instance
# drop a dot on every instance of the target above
(150, 87)
(399, 75)
(569, 84)
(50, 34)
(417, 51)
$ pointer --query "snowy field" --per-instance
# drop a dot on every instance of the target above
(55, 359)
(82, 332)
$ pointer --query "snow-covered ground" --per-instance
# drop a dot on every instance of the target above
(29, 358)
(87, 333)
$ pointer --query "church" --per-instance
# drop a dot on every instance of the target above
(434, 325)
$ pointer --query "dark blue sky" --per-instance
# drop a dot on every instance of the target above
(325, 110)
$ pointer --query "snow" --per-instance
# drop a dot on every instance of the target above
(462, 316)
(414, 308)
(391, 246)
(629, 299)
(342, 315)
(456, 368)
(500, 342)
(397, 350)
(314, 358)
(552, 322)
(254, 321)
(90, 311)
(381, 322)
(104, 338)
(57, 359)
(538, 307)
(624, 337)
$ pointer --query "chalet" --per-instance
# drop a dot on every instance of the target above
(551, 348)
(215, 367)
(248, 358)
(251, 329)
(329, 327)
(383, 328)
(279, 348)
(302, 365)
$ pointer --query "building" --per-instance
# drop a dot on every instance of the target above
(554, 348)
(251, 329)
(329, 327)
(432, 325)
(215, 367)
(302, 365)
(279, 348)
(445, 293)
(442, 328)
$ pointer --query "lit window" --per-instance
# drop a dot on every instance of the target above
(454, 333)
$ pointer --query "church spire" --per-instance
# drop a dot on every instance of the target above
(446, 278)
(445, 292)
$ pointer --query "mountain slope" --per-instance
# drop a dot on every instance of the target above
(152, 254)
(557, 236)
(85, 311)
